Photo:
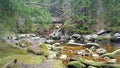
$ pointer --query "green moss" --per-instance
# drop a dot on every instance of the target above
(25, 43)
(76, 64)
(24, 59)
(58, 64)
(8, 50)
(43, 50)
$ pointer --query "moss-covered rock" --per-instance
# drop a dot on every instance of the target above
(58, 64)
(40, 50)
(91, 67)
(8, 50)
(21, 59)
(58, 49)
(75, 64)
(112, 54)
(25, 43)
(97, 64)
(89, 45)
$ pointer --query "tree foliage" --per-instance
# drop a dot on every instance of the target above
(19, 16)
(111, 13)
(11, 12)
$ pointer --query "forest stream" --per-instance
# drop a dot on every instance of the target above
(67, 50)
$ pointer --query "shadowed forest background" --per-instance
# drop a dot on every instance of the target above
(81, 16)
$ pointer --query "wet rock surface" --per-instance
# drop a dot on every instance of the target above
(87, 55)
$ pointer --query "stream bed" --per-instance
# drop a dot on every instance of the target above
(70, 51)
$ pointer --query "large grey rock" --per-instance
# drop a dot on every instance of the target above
(56, 35)
(95, 36)
(112, 54)
(72, 42)
(116, 35)
(63, 57)
(65, 36)
(76, 36)
(50, 41)
(95, 56)
(80, 52)
(87, 37)
(56, 44)
(89, 45)
(112, 61)
(101, 51)
(101, 32)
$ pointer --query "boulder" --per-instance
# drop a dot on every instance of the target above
(89, 45)
(39, 49)
(21, 61)
(72, 42)
(101, 51)
(50, 41)
(91, 67)
(112, 54)
(63, 57)
(52, 56)
(86, 54)
(35, 38)
(95, 36)
(76, 36)
(92, 63)
(112, 61)
(58, 64)
(80, 52)
(87, 37)
(116, 35)
(93, 48)
(58, 49)
(35, 49)
(95, 56)
(56, 44)
(65, 36)
(25, 43)
(75, 64)
(115, 38)
(101, 32)
(76, 44)
(56, 35)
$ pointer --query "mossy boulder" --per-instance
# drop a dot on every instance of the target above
(21, 59)
(89, 45)
(57, 49)
(75, 64)
(9, 50)
(112, 54)
(97, 64)
(58, 64)
(25, 43)
(39, 49)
